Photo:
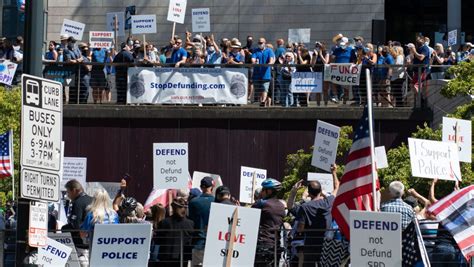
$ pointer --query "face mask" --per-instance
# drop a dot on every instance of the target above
(249, 43)
(343, 46)
(261, 46)
(211, 49)
(70, 46)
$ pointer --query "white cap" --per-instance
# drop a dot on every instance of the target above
(343, 41)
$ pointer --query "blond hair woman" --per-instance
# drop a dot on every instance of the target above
(99, 212)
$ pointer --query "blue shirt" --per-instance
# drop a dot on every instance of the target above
(262, 57)
(424, 50)
(178, 55)
(343, 55)
(214, 57)
(49, 55)
(237, 57)
(383, 70)
(279, 51)
(199, 210)
(88, 224)
(98, 55)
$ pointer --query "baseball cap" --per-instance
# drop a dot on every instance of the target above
(63, 37)
(343, 41)
(207, 182)
(410, 45)
(222, 190)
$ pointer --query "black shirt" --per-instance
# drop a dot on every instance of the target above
(271, 220)
(170, 241)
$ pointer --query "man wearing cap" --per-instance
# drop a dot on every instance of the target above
(421, 56)
(235, 56)
(343, 54)
(124, 56)
(199, 210)
(223, 195)
(263, 75)
(396, 204)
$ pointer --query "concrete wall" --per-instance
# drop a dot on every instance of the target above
(233, 18)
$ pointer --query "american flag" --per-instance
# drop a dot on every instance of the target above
(355, 190)
(6, 161)
(456, 214)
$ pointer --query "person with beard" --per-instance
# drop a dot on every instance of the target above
(124, 56)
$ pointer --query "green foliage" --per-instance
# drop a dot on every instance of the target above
(463, 83)
(10, 108)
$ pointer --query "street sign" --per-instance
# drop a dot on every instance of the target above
(38, 230)
(41, 135)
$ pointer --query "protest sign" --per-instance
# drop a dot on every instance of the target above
(110, 187)
(201, 20)
(452, 37)
(110, 23)
(65, 74)
(73, 29)
(250, 179)
(129, 12)
(177, 11)
(121, 245)
(38, 224)
(101, 39)
(142, 24)
(197, 177)
(299, 35)
(74, 168)
(66, 239)
(7, 72)
(343, 73)
(187, 86)
(306, 82)
(325, 179)
(219, 234)
(381, 157)
(434, 159)
(325, 145)
(379, 239)
(53, 254)
(170, 165)
(459, 132)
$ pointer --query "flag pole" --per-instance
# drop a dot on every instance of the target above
(371, 137)
(12, 165)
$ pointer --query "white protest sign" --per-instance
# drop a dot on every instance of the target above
(218, 235)
(7, 72)
(299, 35)
(101, 39)
(342, 73)
(41, 135)
(142, 24)
(325, 179)
(177, 11)
(247, 187)
(74, 168)
(381, 157)
(38, 226)
(197, 177)
(459, 132)
(170, 165)
(111, 188)
(379, 239)
(325, 145)
(434, 159)
(121, 245)
(201, 20)
(452, 37)
(110, 23)
(306, 82)
(73, 29)
(66, 239)
(54, 254)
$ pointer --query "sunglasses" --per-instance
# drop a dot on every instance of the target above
(261, 42)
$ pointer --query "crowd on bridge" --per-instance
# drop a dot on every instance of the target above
(270, 83)
(294, 231)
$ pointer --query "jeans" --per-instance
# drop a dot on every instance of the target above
(446, 255)
(287, 96)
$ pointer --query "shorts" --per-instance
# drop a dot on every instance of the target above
(263, 85)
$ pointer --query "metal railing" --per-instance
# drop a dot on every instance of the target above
(96, 83)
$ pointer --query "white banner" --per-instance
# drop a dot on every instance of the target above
(73, 28)
(219, 232)
(110, 23)
(306, 82)
(247, 187)
(201, 20)
(187, 86)
(434, 159)
(170, 165)
(380, 157)
(101, 39)
(7, 72)
(343, 74)
(53, 254)
(111, 188)
(121, 245)
(197, 177)
(177, 11)
(325, 145)
(325, 179)
(452, 37)
(459, 132)
(379, 239)
(74, 168)
(299, 35)
(142, 24)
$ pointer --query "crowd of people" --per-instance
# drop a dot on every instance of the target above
(292, 231)
(272, 80)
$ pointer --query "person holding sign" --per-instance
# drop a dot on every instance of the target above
(271, 219)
